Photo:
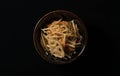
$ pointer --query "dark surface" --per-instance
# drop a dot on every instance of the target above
(18, 55)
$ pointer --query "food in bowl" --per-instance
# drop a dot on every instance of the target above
(60, 38)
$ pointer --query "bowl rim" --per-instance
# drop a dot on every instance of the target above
(83, 27)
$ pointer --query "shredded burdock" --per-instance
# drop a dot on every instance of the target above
(60, 37)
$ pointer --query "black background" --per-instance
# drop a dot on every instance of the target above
(18, 55)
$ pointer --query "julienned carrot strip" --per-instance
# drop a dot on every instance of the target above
(65, 45)
(62, 41)
(71, 49)
(63, 23)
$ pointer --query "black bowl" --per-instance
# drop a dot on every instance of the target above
(49, 18)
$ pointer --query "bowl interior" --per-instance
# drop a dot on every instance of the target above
(49, 18)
